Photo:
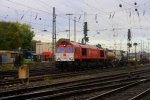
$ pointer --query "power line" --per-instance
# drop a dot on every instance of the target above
(26, 21)
(90, 6)
(20, 4)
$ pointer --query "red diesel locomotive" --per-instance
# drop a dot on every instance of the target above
(72, 55)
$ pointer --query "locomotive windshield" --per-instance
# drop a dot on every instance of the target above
(69, 49)
(60, 49)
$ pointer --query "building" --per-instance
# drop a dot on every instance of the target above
(7, 56)
(43, 51)
(43, 47)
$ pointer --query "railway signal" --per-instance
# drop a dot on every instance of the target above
(85, 30)
(129, 45)
(135, 44)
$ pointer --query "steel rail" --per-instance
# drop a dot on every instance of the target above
(141, 95)
(106, 94)
(76, 82)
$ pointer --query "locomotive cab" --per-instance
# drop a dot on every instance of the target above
(64, 52)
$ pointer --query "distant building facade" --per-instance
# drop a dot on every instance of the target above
(42, 47)
(7, 56)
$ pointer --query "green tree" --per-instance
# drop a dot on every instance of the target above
(14, 35)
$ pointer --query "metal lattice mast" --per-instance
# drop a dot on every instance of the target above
(53, 34)
(69, 24)
(74, 29)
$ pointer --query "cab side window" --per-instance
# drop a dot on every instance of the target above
(84, 51)
(101, 53)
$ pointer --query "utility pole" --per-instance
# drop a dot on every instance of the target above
(141, 47)
(135, 44)
(53, 34)
(74, 29)
(120, 44)
(54, 31)
(69, 24)
(148, 51)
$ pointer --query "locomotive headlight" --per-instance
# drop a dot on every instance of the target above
(58, 59)
(71, 59)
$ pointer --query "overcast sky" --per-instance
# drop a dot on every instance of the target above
(108, 20)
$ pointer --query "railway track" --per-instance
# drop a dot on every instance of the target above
(13, 74)
(34, 78)
(61, 90)
(60, 84)
(141, 95)
(107, 95)
(41, 77)
(56, 76)
(33, 72)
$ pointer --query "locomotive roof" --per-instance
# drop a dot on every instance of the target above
(85, 46)
(77, 44)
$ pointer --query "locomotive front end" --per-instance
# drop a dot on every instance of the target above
(64, 52)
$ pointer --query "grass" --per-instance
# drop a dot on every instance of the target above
(5, 67)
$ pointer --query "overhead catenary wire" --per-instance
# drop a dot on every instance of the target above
(101, 16)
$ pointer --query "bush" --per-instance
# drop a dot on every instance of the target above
(41, 64)
(5, 67)
(27, 61)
